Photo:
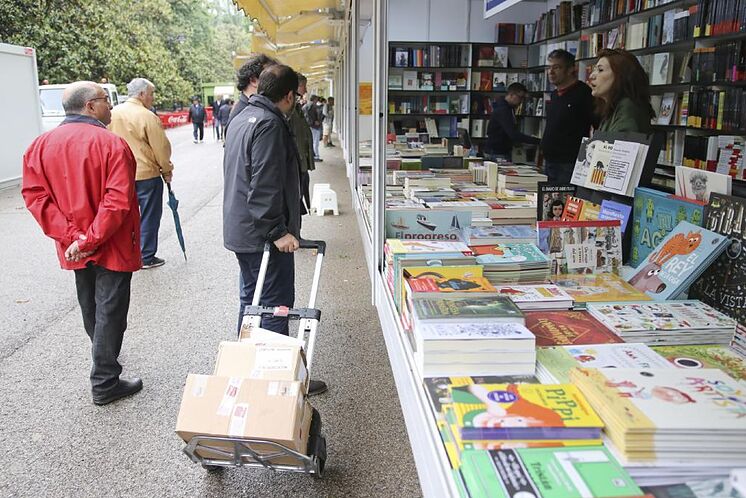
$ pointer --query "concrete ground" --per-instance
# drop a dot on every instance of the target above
(55, 442)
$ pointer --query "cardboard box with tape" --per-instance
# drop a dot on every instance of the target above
(256, 359)
(273, 410)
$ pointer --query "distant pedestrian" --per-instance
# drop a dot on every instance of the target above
(143, 132)
(197, 115)
(216, 104)
(303, 140)
(79, 184)
(502, 130)
(569, 117)
(224, 115)
(328, 122)
(314, 117)
(248, 79)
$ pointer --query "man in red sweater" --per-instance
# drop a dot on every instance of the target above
(79, 184)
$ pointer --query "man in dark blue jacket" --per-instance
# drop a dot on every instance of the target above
(502, 130)
(197, 115)
(261, 197)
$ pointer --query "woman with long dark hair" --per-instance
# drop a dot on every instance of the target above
(622, 90)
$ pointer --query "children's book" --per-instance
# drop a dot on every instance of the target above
(705, 356)
(568, 328)
(723, 285)
(679, 259)
(697, 184)
(426, 224)
(559, 360)
(523, 411)
(599, 287)
(552, 199)
(481, 237)
(655, 215)
(582, 246)
(536, 296)
(469, 309)
(513, 255)
(546, 472)
(439, 388)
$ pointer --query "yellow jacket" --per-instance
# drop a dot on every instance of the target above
(142, 130)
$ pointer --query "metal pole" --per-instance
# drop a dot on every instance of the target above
(380, 109)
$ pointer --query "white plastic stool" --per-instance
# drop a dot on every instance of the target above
(327, 202)
(317, 189)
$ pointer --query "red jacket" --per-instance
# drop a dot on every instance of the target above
(79, 181)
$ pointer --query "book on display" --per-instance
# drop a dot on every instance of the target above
(665, 322)
(426, 224)
(514, 263)
(554, 363)
(502, 234)
(547, 473)
(466, 310)
(679, 259)
(536, 296)
(600, 287)
(582, 246)
(705, 356)
(552, 199)
(565, 328)
(698, 185)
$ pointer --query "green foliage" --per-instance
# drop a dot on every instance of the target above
(177, 44)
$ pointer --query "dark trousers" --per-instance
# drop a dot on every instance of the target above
(104, 298)
(198, 127)
(558, 172)
(150, 197)
(279, 285)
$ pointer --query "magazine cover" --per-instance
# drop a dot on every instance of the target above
(582, 246)
(655, 214)
(680, 258)
(552, 198)
(565, 328)
(426, 224)
(705, 356)
(723, 285)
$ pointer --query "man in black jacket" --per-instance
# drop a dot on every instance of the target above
(569, 117)
(502, 130)
(197, 115)
(248, 79)
(261, 197)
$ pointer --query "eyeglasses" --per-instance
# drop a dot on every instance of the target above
(100, 98)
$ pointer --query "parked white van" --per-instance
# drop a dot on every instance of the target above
(52, 112)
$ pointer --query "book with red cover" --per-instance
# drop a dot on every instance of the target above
(572, 209)
(568, 328)
(485, 81)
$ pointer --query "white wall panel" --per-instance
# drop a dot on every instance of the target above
(449, 20)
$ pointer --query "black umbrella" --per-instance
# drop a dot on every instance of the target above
(173, 203)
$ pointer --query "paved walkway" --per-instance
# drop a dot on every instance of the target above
(57, 443)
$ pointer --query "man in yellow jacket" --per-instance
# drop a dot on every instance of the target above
(134, 122)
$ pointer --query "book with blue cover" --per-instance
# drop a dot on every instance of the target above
(521, 255)
(426, 224)
(679, 259)
(654, 215)
(612, 210)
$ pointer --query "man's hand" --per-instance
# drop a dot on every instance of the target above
(74, 254)
(287, 243)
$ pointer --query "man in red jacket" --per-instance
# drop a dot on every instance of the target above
(79, 184)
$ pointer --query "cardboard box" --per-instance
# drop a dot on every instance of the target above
(256, 359)
(244, 408)
(258, 333)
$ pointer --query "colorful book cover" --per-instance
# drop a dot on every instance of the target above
(582, 247)
(723, 285)
(478, 236)
(677, 261)
(589, 211)
(655, 214)
(438, 388)
(573, 207)
(538, 293)
(611, 210)
(426, 224)
(705, 356)
(446, 279)
(512, 254)
(701, 399)
(559, 360)
(698, 185)
(565, 328)
(470, 308)
(546, 472)
(599, 287)
(552, 199)
(523, 411)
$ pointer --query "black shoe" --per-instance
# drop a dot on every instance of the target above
(331, 145)
(318, 160)
(153, 263)
(317, 387)
(124, 388)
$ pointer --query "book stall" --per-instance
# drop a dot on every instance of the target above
(561, 340)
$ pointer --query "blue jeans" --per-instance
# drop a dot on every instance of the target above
(198, 127)
(150, 197)
(279, 285)
(558, 172)
(316, 138)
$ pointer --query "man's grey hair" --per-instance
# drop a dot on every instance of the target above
(138, 86)
(76, 95)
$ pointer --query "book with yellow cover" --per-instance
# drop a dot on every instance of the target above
(462, 277)
(705, 356)
(600, 287)
(523, 412)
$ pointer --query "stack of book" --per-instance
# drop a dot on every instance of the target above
(568, 328)
(504, 234)
(598, 288)
(536, 296)
(513, 263)
(676, 420)
(666, 322)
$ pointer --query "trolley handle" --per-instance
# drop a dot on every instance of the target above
(319, 245)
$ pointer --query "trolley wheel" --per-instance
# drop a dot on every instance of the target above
(212, 468)
(320, 455)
